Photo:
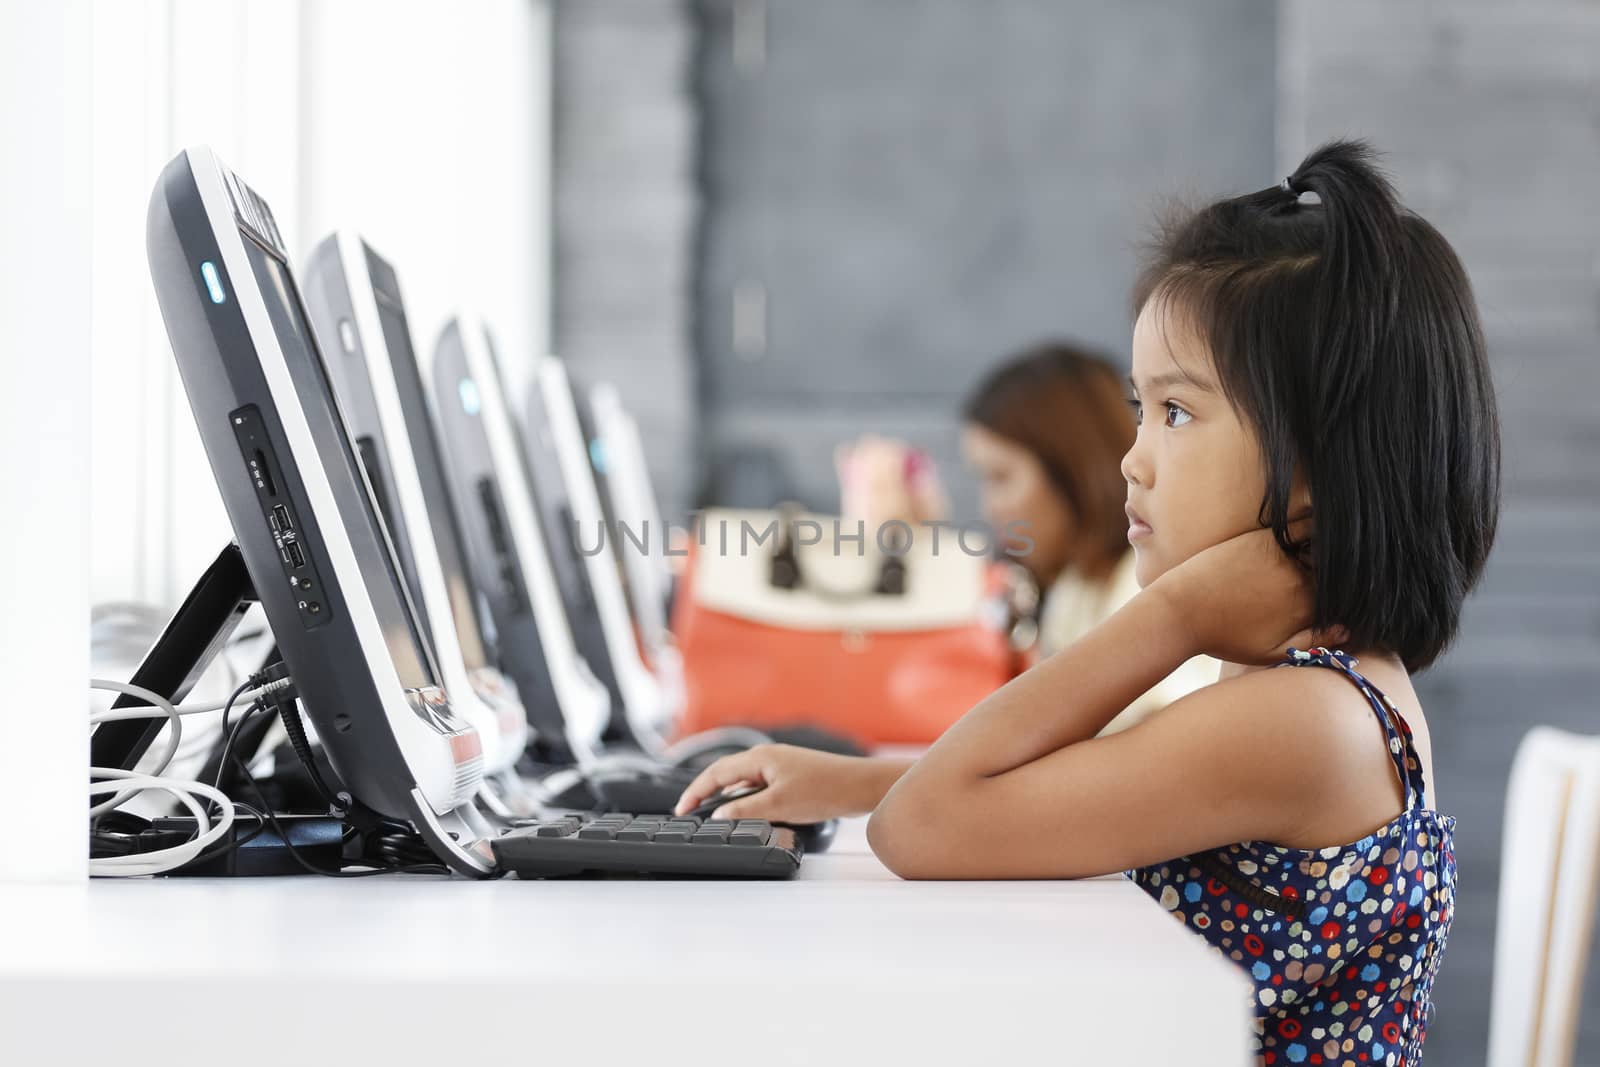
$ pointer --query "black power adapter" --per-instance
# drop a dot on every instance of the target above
(250, 849)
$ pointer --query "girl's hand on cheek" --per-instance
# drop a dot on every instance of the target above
(1244, 600)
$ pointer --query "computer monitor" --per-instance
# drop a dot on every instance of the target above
(597, 469)
(559, 455)
(557, 521)
(302, 512)
(641, 538)
(353, 296)
(506, 552)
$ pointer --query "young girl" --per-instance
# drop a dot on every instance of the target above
(1317, 467)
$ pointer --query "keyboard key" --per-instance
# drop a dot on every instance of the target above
(711, 835)
(674, 835)
(597, 832)
(636, 833)
(749, 836)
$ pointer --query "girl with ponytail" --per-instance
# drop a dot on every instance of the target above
(1314, 485)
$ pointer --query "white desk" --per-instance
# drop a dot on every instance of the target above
(845, 965)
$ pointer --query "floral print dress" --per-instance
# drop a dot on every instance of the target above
(1342, 943)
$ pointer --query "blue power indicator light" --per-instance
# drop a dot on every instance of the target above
(471, 403)
(208, 271)
(597, 455)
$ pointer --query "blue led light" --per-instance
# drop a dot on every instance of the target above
(208, 271)
(597, 455)
(471, 403)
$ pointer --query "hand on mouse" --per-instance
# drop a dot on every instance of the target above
(802, 785)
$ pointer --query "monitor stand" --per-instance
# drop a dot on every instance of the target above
(197, 632)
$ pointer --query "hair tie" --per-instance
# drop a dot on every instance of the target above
(1287, 185)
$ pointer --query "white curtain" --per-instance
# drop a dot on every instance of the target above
(44, 456)
(423, 124)
(420, 123)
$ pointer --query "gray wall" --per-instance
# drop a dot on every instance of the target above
(1490, 115)
(913, 190)
(907, 182)
(917, 188)
(625, 201)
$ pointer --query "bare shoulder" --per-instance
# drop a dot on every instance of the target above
(1316, 745)
(1296, 707)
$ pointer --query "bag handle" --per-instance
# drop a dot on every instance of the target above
(784, 570)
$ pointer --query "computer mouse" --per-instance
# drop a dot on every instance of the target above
(812, 836)
(701, 750)
(627, 787)
(711, 803)
(638, 790)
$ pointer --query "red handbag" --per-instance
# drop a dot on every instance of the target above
(830, 633)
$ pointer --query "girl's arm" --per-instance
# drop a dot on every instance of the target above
(1021, 788)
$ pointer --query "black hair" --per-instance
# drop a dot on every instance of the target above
(1344, 331)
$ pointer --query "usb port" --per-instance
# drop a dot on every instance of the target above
(297, 556)
(280, 518)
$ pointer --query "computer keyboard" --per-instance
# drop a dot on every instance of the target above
(679, 845)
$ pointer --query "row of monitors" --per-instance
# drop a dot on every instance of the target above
(414, 545)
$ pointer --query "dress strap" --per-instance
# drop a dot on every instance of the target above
(1402, 751)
